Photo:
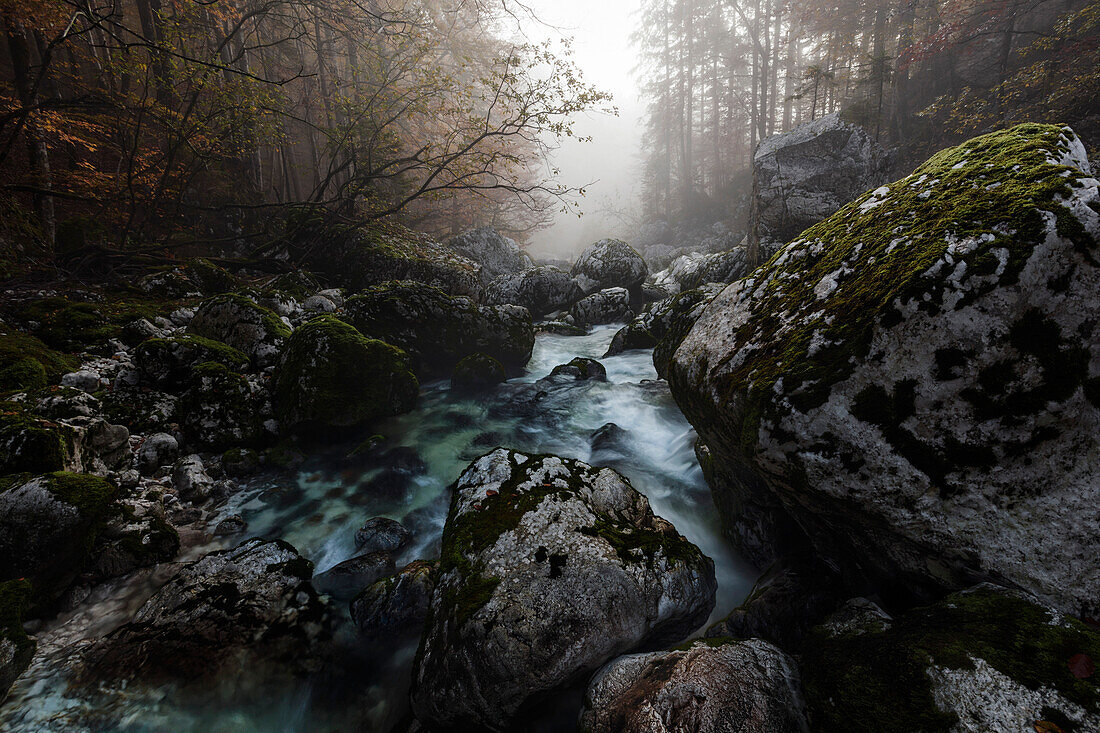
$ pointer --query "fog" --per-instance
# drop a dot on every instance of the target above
(607, 166)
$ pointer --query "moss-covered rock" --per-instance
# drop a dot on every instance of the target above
(357, 257)
(33, 444)
(914, 378)
(168, 362)
(136, 535)
(477, 372)
(609, 263)
(48, 525)
(27, 363)
(437, 330)
(240, 323)
(70, 326)
(220, 408)
(142, 411)
(548, 569)
(331, 375)
(298, 284)
(985, 659)
(16, 648)
(211, 279)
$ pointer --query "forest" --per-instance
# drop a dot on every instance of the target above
(323, 409)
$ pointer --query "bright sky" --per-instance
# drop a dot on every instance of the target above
(601, 31)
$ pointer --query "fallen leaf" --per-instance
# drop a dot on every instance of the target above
(1081, 666)
(1045, 726)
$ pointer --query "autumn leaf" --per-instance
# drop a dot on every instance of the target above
(1045, 726)
(1081, 666)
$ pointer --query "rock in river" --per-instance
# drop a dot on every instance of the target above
(916, 380)
(549, 568)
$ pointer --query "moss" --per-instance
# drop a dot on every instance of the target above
(156, 543)
(28, 443)
(477, 371)
(210, 278)
(93, 496)
(218, 408)
(169, 361)
(70, 326)
(633, 544)
(993, 188)
(878, 681)
(19, 355)
(272, 324)
(15, 596)
(298, 284)
(333, 375)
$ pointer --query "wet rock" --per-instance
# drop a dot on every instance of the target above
(580, 368)
(333, 376)
(476, 373)
(605, 306)
(231, 525)
(790, 598)
(498, 255)
(318, 304)
(805, 175)
(242, 324)
(16, 648)
(347, 578)
(663, 326)
(136, 535)
(437, 330)
(549, 568)
(540, 290)
(381, 534)
(952, 409)
(397, 604)
(223, 612)
(191, 480)
(609, 438)
(239, 462)
(158, 449)
(985, 659)
(709, 687)
(48, 525)
(609, 263)
(66, 402)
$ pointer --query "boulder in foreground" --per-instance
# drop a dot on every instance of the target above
(549, 568)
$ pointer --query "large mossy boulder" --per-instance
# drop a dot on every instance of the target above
(225, 612)
(916, 380)
(548, 569)
(609, 263)
(16, 648)
(333, 376)
(26, 363)
(984, 659)
(240, 323)
(357, 257)
(541, 290)
(496, 254)
(437, 330)
(713, 686)
(48, 525)
(68, 325)
(166, 363)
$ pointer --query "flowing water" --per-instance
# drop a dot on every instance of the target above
(407, 479)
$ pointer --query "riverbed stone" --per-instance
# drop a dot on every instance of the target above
(611, 305)
(609, 263)
(397, 604)
(541, 290)
(711, 686)
(549, 568)
(224, 611)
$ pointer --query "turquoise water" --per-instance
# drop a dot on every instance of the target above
(425, 451)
